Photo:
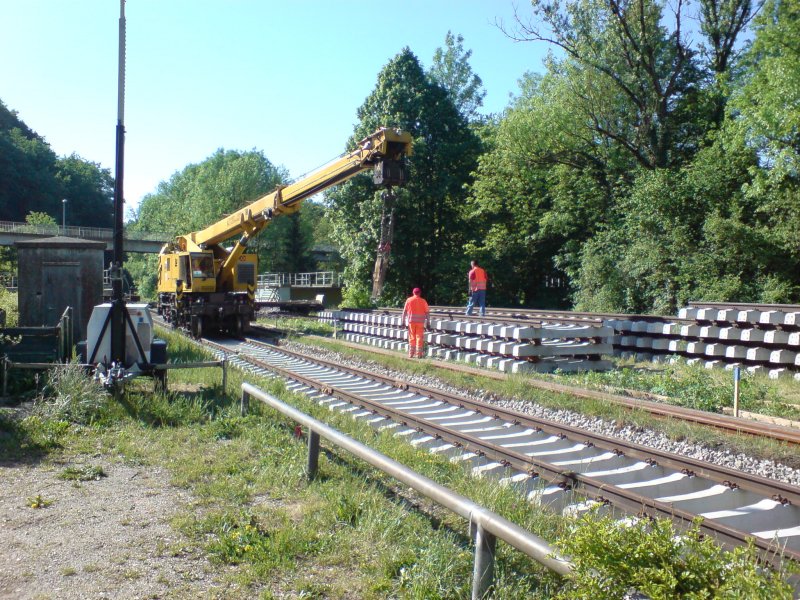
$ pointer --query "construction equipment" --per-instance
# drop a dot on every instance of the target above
(205, 286)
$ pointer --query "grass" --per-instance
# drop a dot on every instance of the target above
(82, 473)
(351, 533)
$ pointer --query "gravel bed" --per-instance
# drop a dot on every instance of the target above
(104, 538)
(645, 437)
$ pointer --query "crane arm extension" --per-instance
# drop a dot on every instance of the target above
(385, 145)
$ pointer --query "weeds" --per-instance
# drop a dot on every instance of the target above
(38, 501)
(83, 473)
(71, 396)
(612, 560)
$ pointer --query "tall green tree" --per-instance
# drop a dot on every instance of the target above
(451, 70)
(34, 179)
(429, 239)
(89, 191)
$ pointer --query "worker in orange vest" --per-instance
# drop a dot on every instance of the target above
(476, 281)
(417, 315)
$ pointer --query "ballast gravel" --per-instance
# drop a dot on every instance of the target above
(645, 437)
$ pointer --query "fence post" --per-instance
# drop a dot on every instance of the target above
(483, 568)
(245, 406)
(224, 375)
(313, 454)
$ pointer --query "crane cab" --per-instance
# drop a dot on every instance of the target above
(195, 270)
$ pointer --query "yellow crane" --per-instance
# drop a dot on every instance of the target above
(203, 285)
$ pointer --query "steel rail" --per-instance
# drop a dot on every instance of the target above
(717, 473)
(659, 409)
(746, 305)
(585, 485)
(528, 543)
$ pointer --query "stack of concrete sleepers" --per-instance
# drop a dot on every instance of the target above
(509, 348)
(766, 341)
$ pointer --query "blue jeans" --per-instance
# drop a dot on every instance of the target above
(478, 297)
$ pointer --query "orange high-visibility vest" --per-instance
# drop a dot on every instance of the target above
(417, 309)
(477, 279)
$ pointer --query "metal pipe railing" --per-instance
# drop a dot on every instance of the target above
(486, 526)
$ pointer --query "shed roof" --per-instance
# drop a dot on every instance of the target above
(59, 241)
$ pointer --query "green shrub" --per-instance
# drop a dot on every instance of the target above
(613, 558)
(8, 303)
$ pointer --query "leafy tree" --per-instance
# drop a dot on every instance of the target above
(89, 190)
(33, 178)
(429, 239)
(38, 219)
(451, 70)
(200, 195)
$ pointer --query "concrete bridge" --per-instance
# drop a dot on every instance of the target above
(135, 241)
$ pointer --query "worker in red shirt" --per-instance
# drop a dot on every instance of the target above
(476, 281)
(417, 315)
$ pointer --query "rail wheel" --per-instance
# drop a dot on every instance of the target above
(237, 329)
(197, 327)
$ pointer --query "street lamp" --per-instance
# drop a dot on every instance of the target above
(64, 216)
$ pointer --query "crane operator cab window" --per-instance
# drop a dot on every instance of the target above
(202, 267)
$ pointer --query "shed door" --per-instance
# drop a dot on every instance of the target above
(61, 287)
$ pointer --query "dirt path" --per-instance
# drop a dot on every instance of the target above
(106, 538)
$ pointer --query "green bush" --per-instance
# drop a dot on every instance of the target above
(8, 303)
(614, 558)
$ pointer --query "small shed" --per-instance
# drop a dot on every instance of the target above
(55, 273)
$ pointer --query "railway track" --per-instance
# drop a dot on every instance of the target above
(722, 422)
(553, 464)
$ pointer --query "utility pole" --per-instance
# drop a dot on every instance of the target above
(117, 299)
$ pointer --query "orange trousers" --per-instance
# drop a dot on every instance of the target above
(416, 339)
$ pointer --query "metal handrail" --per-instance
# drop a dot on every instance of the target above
(486, 525)
(312, 279)
(97, 233)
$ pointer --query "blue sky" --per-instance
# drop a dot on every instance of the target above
(285, 77)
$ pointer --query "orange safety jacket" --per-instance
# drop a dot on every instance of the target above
(477, 279)
(417, 309)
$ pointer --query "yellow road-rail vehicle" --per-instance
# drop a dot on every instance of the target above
(203, 285)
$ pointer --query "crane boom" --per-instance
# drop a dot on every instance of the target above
(199, 280)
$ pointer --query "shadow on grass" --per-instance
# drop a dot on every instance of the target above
(26, 444)
(175, 409)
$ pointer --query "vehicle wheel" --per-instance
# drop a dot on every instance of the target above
(238, 329)
(197, 327)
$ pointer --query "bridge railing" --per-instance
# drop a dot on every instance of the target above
(91, 233)
(8, 280)
(326, 279)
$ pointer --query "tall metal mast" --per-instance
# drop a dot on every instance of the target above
(117, 299)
